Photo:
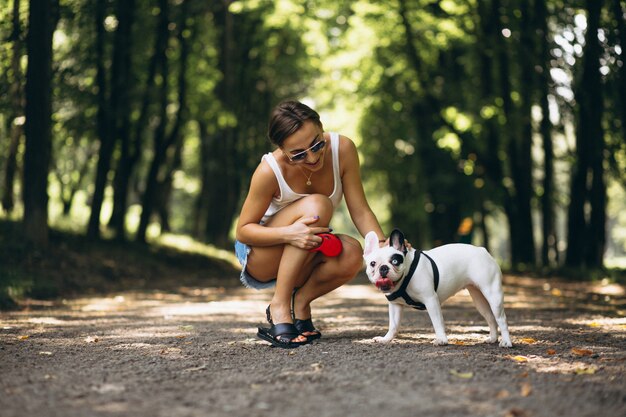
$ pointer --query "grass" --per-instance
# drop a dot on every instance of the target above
(73, 265)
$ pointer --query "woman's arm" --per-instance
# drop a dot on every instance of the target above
(263, 186)
(360, 211)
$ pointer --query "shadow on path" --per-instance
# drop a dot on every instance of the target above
(193, 352)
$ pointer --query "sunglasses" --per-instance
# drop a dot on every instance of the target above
(301, 156)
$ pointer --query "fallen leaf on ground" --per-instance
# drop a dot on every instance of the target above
(462, 375)
(556, 292)
(582, 352)
(187, 328)
(317, 366)
(516, 412)
(503, 394)
(518, 358)
(594, 324)
(459, 342)
(528, 340)
(91, 339)
(585, 370)
(551, 352)
(526, 389)
(23, 337)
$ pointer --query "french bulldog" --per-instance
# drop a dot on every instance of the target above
(435, 276)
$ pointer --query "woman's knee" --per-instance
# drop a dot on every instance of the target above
(351, 255)
(318, 205)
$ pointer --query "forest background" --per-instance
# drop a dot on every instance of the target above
(131, 120)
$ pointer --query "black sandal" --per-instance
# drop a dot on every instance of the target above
(305, 325)
(281, 335)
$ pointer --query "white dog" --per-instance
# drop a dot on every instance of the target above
(424, 280)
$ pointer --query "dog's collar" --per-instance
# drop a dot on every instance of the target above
(401, 292)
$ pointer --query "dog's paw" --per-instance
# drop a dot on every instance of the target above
(440, 342)
(382, 339)
(506, 343)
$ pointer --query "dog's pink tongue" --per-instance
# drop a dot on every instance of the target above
(384, 284)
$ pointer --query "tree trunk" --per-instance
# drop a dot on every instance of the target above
(129, 143)
(619, 10)
(549, 251)
(130, 156)
(586, 237)
(205, 195)
(103, 124)
(597, 193)
(149, 196)
(523, 167)
(37, 155)
(486, 35)
(163, 142)
(423, 129)
(120, 105)
(14, 125)
(118, 108)
(508, 136)
(222, 148)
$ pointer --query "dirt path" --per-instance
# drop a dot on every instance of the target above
(193, 353)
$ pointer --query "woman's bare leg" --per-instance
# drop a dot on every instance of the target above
(291, 266)
(329, 274)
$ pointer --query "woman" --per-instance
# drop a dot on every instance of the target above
(293, 194)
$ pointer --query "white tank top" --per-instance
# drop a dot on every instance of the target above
(288, 196)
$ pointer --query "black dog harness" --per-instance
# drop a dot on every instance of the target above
(402, 291)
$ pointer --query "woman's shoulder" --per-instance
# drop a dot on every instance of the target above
(347, 147)
(348, 155)
(264, 174)
(345, 143)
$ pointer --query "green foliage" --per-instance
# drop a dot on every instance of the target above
(435, 94)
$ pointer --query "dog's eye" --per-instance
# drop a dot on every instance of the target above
(373, 264)
(396, 260)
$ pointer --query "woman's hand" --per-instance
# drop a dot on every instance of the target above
(304, 236)
(386, 243)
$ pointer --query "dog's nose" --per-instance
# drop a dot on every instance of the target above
(384, 270)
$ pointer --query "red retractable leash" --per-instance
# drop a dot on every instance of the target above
(330, 246)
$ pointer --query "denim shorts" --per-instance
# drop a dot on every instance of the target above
(242, 251)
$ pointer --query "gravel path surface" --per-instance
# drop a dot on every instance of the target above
(193, 352)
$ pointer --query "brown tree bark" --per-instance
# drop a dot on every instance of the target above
(523, 166)
(164, 141)
(549, 250)
(587, 236)
(41, 24)
(113, 108)
(14, 125)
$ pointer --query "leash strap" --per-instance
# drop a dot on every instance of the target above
(405, 283)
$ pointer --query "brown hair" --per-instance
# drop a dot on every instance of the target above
(287, 118)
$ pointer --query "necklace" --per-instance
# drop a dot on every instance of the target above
(308, 177)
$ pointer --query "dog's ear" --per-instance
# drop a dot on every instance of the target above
(396, 240)
(371, 243)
